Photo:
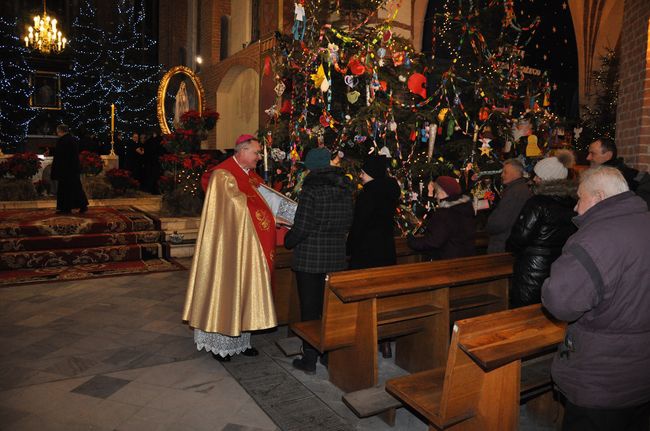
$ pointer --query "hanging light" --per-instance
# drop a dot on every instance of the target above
(44, 36)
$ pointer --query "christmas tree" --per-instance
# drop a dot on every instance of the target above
(353, 84)
(86, 94)
(131, 82)
(15, 89)
(599, 117)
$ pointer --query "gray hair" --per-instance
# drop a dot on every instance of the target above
(515, 163)
(245, 144)
(603, 180)
(63, 128)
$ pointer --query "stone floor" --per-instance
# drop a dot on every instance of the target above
(113, 354)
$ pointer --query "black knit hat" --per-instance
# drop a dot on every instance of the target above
(375, 166)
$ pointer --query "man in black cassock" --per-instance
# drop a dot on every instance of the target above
(66, 170)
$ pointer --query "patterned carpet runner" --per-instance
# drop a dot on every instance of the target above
(38, 245)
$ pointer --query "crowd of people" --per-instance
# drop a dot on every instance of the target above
(581, 247)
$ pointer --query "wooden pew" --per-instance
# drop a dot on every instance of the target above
(285, 294)
(481, 385)
(410, 302)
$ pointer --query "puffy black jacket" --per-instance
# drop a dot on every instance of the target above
(538, 236)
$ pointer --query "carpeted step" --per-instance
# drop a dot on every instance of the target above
(76, 256)
(16, 223)
(83, 271)
(56, 242)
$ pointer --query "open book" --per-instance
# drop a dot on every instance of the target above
(284, 209)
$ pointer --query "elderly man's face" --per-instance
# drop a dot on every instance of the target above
(509, 174)
(596, 156)
(250, 155)
(586, 200)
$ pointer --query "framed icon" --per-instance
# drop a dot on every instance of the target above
(180, 91)
(46, 92)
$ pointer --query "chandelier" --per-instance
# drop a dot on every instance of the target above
(44, 36)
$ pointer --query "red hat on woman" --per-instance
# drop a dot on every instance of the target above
(449, 185)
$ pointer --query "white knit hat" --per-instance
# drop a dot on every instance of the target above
(550, 168)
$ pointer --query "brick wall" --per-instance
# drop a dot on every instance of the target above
(172, 27)
(633, 115)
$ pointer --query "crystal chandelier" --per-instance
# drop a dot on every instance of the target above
(44, 36)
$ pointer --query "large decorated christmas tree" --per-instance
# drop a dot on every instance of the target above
(352, 84)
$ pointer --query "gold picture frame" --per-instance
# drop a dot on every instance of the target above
(170, 82)
(47, 90)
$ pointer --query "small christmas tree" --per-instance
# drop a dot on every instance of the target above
(15, 89)
(599, 117)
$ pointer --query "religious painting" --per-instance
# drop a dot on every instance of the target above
(180, 91)
(47, 90)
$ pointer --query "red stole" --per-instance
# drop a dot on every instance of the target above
(260, 212)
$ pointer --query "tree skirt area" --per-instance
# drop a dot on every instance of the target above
(38, 245)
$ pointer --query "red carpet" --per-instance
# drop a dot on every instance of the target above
(38, 245)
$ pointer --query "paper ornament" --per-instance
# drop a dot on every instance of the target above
(401, 78)
(532, 149)
(353, 96)
(334, 51)
(325, 85)
(319, 76)
(387, 35)
(442, 114)
(392, 126)
(279, 88)
(381, 52)
(486, 149)
(272, 111)
(384, 151)
(351, 81)
(417, 83)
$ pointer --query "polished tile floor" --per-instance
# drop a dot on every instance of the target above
(113, 354)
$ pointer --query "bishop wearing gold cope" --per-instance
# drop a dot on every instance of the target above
(229, 291)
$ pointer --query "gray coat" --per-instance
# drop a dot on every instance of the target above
(601, 286)
(505, 214)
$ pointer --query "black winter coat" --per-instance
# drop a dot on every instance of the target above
(371, 241)
(322, 221)
(537, 238)
(448, 232)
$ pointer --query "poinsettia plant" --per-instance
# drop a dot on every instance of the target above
(91, 163)
(120, 179)
(21, 165)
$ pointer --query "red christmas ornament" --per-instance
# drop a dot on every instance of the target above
(413, 135)
(484, 113)
(356, 67)
(417, 84)
(286, 107)
(383, 85)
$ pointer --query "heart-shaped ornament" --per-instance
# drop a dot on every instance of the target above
(351, 81)
(353, 96)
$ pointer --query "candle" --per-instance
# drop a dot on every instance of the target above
(266, 159)
(433, 129)
(475, 133)
(112, 117)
